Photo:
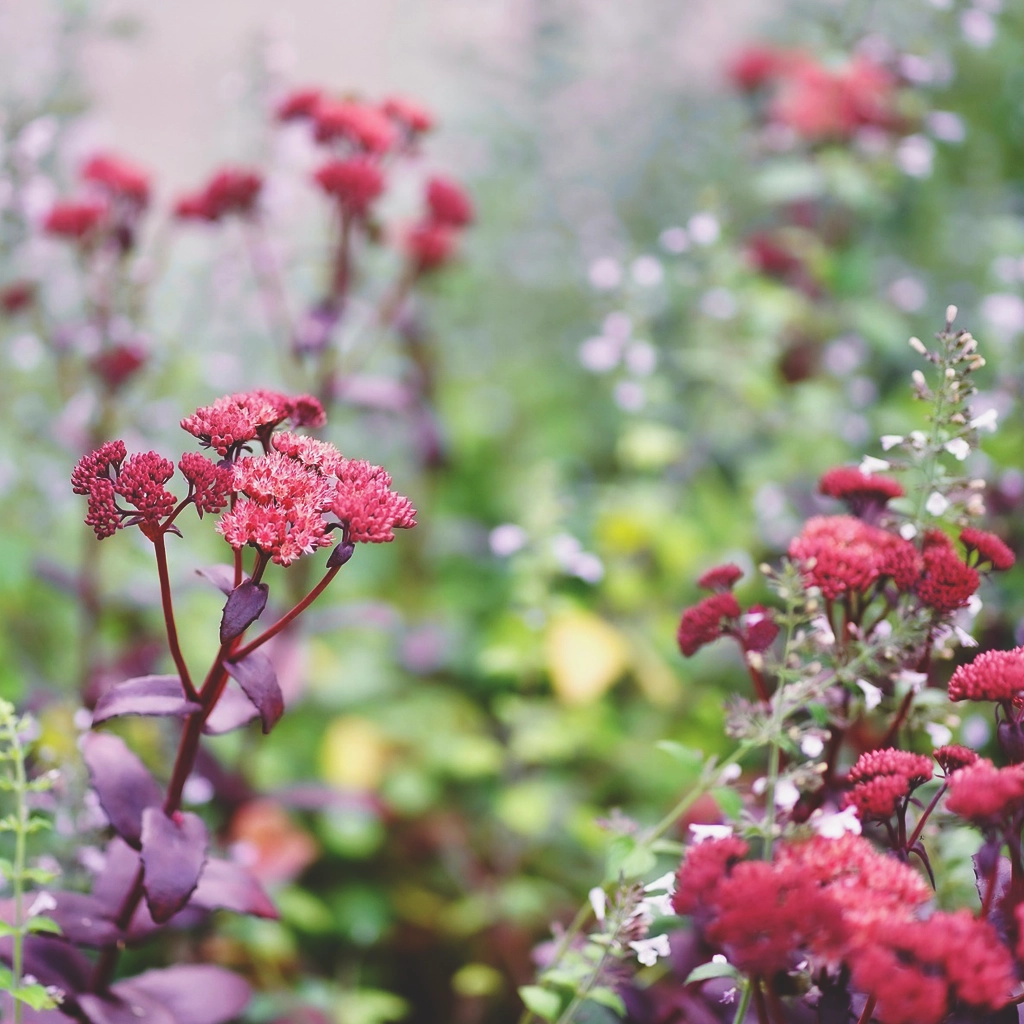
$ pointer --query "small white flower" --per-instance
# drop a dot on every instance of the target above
(729, 995)
(974, 605)
(599, 902)
(908, 531)
(703, 832)
(812, 745)
(835, 826)
(918, 438)
(883, 630)
(507, 539)
(965, 638)
(986, 421)
(704, 228)
(719, 958)
(951, 312)
(916, 680)
(872, 694)
(667, 883)
(869, 464)
(938, 734)
(758, 786)
(958, 448)
(786, 795)
(890, 441)
(936, 504)
(41, 904)
(648, 950)
(822, 631)
(730, 773)
(656, 906)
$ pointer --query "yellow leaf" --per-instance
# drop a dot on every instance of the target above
(585, 656)
(354, 753)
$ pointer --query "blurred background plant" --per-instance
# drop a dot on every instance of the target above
(683, 296)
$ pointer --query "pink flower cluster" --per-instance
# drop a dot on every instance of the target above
(231, 190)
(235, 420)
(118, 192)
(841, 902)
(883, 778)
(284, 502)
(815, 101)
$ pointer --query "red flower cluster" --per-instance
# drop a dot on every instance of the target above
(448, 203)
(702, 624)
(818, 102)
(841, 901)
(75, 220)
(120, 193)
(917, 969)
(355, 182)
(953, 757)
(882, 778)
(841, 555)
(232, 190)
(946, 582)
(721, 578)
(415, 118)
(364, 502)
(118, 178)
(362, 126)
(993, 675)
(210, 483)
(288, 493)
(988, 548)
(982, 794)
(92, 477)
(865, 494)
(234, 420)
(140, 481)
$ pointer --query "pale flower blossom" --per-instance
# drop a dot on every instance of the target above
(701, 832)
(936, 504)
(648, 950)
(958, 448)
(872, 694)
(835, 826)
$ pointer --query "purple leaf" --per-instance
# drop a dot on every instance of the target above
(192, 993)
(256, 676)
(244, 606)
(224, 885)
(173, 854)
(232, 711)
(116, 877)
(49, 959)
(130, 1008)
(82, 921)
(144, 695)
(221, 576)
(121, 781)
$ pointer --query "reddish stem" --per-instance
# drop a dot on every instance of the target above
(924, 817)
(168, 607)
(286, 618)
(869, 1009)
(897, 722)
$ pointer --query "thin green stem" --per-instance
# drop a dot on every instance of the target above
(769, 790)
(20, 784)
(744, 1003)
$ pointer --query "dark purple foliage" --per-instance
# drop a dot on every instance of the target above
(173, 854)
(224, 885)
(144, 695)
(231, 712)
(121, 781)
(191, 993)
(256, 675)
(244, 606)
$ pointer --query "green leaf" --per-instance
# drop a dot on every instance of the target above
(705, 972)
(42, 924)
(7, 929)
(38, 875)
(35, 996)
(608, 997)
(692, 760)
(730, 802)
(639, 862)
(540, 1001)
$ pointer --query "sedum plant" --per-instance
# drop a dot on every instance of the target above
(812, 888)
(282, 496)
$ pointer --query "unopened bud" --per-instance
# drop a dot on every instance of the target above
(918, 346)
(919, 382)
(340, 555)
(755, 661)
(951, 312)
(950, 373)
